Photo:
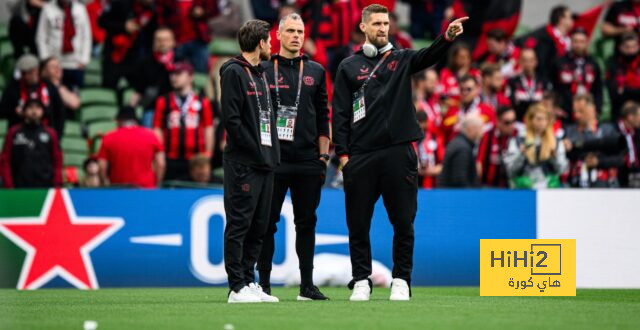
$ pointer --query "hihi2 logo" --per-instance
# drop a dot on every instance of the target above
(527, 267)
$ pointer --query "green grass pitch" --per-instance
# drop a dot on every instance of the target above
(206, 308)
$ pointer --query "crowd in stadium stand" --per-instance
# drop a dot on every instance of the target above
(126, 92)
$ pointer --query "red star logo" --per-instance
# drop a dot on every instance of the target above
(58, 243)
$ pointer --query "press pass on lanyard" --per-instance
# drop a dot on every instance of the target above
(359, 107)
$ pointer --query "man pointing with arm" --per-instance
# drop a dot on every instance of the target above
(374, 125)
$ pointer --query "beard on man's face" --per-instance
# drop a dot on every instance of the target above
(265, 54)
(378, 40)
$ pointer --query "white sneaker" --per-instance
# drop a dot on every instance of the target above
(361, 291)
(399, 290)
(245, 295)
(264, 297)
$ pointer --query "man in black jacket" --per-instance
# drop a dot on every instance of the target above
(251, 154)
(577, 73)
(31, 157)
(459, 166)
(374, 125)
(299, 94)
(29, 86)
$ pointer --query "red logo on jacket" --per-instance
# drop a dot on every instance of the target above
(308, 80)
(392, 65)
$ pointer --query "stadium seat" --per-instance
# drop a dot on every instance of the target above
(6, 49)
(4, 127)
(72, 128)
(98, 112)
(74, 144)
(224, 47)
(200, 80)
(1, 142)
(94, 66)
(127, 94)
(92, 79)
(100, 128)
(98, 96)
(74, 158)
(421, 43)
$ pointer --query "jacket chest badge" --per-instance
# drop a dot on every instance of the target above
(393, 65)
(308, 80)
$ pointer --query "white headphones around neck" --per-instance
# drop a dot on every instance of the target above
(371, 51)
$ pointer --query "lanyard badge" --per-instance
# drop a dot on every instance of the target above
(359, 108)
(264, 116)
(287, 114)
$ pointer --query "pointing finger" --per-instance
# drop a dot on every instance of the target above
(461, 20)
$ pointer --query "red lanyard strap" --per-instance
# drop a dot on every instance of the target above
(375, 68)
(255, 89)
(275, 78)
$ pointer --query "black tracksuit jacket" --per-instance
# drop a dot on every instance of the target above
(312, 119)
(390, 113)
(241, 118)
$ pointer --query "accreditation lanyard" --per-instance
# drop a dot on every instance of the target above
(375, 68)
(264, 116)
(275, 78)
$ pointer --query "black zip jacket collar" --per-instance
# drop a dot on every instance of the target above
(241, 117)
(312, 119)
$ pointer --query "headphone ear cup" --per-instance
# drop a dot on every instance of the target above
(369, 50)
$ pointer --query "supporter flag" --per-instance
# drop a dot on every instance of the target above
(588, 19)
(485, 15)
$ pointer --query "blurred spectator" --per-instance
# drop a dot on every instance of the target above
(129, 25)
(152, 77)
(91, 169)
(427, 97)
(552, 41)
(330, 21)
(30, 85)
(200, 170)
(458, 65)
(493, 87)
(64, 31)
(501, 51)
(22, 26)
(493, 147)
(267, 10)
(577, 73)
(459, 166)
(595, 167)
(427, 16)
(189, 21)
(628, 127)
(131, 155)
(528, 87)
(31, 157)
(228, 22)
(50, 69)
(397, 37)
(354, 44)
(94, 9)
(622, 16)
(430, 152)
(184, 122)
(623, 75)
(538, 159)
(470, 103)
(551, 101)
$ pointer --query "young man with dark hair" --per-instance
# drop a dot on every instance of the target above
(492, 148)
(501, 51)
(251, 154)
(374, 126)
(299, 95)
(31, 157)
(552, 41)
(493, 86)
(577, 73)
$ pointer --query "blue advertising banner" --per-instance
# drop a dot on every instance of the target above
(151, 238)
